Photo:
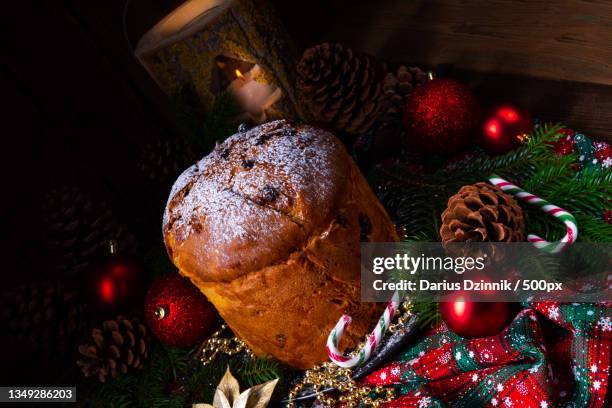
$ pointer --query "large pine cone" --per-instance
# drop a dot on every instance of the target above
(482, 213)
(163, 160)
(115, 347)
(78, 230)
(44, 317)
(342, 89)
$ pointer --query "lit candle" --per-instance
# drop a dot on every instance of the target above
(254, 97)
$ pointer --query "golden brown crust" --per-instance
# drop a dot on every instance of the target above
(268, 226)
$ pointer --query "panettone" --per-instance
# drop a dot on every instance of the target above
(269, 226)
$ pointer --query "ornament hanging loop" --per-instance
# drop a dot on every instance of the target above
(563, 216)
(113, 247)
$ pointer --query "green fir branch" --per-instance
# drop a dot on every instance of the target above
(593, 229)
(517, 165)
(258, 371)
(428, 313)
(116, 393)
(589, 193)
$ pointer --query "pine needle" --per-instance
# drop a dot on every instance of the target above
(259, 371)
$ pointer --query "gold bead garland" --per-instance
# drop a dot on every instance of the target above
(403, 318)
(216, 345)
(328, 375)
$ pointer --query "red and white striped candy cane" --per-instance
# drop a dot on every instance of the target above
(551, 209)
(373, 339)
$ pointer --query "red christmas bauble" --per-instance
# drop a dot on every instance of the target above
(472, 320)
(115, 283)
(503, 129)
(441, 116)
(178, 313)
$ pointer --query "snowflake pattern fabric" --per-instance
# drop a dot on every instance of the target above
(517, 368)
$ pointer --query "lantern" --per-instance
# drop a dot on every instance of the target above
(215, 46)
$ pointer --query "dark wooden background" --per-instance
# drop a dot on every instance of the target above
(78, 107)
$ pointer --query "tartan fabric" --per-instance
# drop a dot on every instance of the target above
(520, 367)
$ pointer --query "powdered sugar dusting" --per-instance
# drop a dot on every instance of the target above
(297, 162)
(228, 193)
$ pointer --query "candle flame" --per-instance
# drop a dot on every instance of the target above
(239, 74)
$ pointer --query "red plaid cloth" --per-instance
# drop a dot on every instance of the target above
(532, 363)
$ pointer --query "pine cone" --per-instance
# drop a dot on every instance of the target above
(44, 317)
(163, 160)
(342, 88)
(397, 86)
(389, 134)
(78, 229)
(482, 213)
(115, 347)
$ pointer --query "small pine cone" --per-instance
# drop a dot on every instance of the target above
(114, 348)
(163, 160)
(482, 213)
(342, 89)
(397, 86)
(77, 230)
(43, 317)
(389, 133)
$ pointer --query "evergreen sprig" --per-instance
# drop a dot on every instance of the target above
(589, 194)
(517, 165)
(173, 378)
(428, 313)
(258, 371)
(116, 393)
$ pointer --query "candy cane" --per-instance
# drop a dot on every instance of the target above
(373, 339)
(557, 212)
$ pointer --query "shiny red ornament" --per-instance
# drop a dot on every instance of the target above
(441, 117)
(503, 129)
(472, 320)
(115, 283)
(178, 313)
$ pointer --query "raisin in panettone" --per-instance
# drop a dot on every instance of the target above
(268, 226)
